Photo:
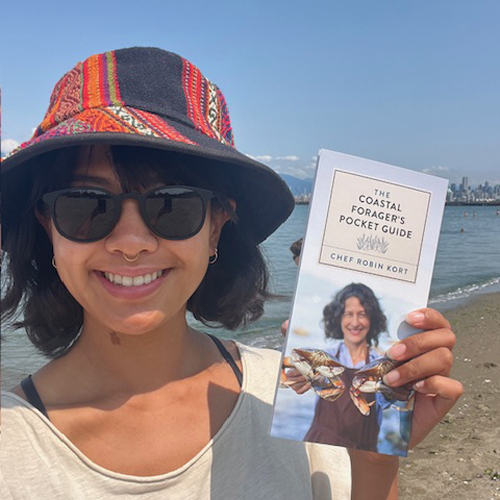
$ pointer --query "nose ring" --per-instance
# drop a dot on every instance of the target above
(131, 259)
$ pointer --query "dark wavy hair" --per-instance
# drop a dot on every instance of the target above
(232, 292)
(332, 313)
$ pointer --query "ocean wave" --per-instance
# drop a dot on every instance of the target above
(466, 291)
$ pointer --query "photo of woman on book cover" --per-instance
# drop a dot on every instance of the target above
(352, 418)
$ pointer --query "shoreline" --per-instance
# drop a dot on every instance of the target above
(464, 295)
(460, 458)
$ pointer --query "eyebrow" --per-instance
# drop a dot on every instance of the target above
(92, 179)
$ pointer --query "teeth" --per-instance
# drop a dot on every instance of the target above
(118, 279)
(127, 281)
(138, 280)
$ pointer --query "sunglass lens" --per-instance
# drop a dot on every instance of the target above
(175, 212)
(84, 215)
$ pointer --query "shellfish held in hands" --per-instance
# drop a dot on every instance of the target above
(368, 380)
(319, 369)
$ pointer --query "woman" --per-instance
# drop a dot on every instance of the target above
(354, 316)
(129, 207)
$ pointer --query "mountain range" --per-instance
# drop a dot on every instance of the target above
(298, 186)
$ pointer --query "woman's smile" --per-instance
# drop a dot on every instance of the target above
(131, 285)
(136, 280)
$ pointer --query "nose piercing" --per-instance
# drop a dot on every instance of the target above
(131, 259)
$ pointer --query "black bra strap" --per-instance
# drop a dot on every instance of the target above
(228, 358)
(32, 395)
(34, 398)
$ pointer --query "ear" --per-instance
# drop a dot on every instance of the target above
(45, 221)
(218, 220)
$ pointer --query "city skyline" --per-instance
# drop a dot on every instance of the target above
(474, 185)
(470, 193)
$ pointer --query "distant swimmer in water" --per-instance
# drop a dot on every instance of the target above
(465, 214)
(462, 230)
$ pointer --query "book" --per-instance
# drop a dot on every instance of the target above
(366, 261)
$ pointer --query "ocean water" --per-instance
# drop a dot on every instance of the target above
(467, 263)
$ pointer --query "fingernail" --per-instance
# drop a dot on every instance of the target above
(415, 317)
(397, 350)
(418, 385)
(391, 377)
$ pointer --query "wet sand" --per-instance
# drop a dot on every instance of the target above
(460, 459)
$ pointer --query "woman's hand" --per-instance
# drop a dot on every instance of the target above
(296, 381)
(427, 361)
(292, 377)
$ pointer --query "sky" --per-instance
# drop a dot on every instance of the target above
(406, 82)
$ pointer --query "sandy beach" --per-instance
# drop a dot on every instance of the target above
(460, 459)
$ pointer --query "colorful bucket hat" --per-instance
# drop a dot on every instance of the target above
(151, 98)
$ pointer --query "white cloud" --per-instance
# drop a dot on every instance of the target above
(267, 158)
(288, 158)
(435, 169)
(297, 170)
(289, 164)
(8, 145)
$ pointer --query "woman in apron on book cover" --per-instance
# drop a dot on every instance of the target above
(355, 317)
(128, 208)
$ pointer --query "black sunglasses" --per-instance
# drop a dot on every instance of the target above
(89, 214)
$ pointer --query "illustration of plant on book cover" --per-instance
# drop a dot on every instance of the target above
(366, 262)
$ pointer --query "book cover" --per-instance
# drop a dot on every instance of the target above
(366, 261)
